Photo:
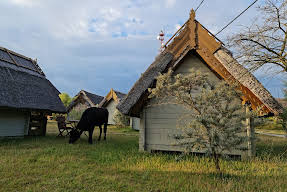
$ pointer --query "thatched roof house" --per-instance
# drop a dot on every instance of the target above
(84, 100)
(110, 102)
(192, 47)
(26, 96)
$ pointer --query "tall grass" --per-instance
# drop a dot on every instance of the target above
(51, 164)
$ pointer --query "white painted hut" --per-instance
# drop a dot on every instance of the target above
(192, 47)
(111, 100)
(26, 96)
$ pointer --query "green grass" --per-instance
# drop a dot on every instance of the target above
(270, 123)
(51, 164)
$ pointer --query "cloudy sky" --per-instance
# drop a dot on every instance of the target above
(97, 45)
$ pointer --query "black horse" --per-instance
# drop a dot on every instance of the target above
(91, 117)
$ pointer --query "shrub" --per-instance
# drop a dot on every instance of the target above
(120, 119)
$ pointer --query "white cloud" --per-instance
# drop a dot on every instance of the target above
(111, 14)
(113, 36)
(170, 3)
(27, 3)
(101, 28)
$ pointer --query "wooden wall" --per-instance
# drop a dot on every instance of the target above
(13, 123)
(159, 123)
(111, 107)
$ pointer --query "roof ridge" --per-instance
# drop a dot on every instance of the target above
(119, 92)
(91, 93)
(17, 54)
(34, 62)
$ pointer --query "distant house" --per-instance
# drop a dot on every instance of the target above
(82, 101)
(193, 47)
(111, 100)
(26, 96)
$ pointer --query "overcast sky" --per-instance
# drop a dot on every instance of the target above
(98, 45)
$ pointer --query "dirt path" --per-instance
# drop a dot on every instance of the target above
(271, 134)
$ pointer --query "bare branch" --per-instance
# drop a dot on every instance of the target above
(263, 46)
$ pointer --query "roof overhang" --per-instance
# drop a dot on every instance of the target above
(193, 36)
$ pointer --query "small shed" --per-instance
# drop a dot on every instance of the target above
(26, 96)
(82, 101)
(111, 100)
(192, 47)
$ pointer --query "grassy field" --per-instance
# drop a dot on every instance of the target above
(51, 164)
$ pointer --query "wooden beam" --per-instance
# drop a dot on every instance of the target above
(7, 61)
(250, 134)
(12, 58)
(206, 40)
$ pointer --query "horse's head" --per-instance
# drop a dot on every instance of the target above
(74, 136)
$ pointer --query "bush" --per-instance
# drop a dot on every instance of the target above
(76, 113)
(120, 119)
(270, 123)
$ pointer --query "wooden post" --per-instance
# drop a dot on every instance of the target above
(250, 134)
(44, 125)
(142, 146)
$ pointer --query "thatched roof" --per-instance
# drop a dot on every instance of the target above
(113, 94)
(194, 37)
(96, 99)
(91, 98)
(144, 82)
(120, 95)
(24, 85)
(248, 80)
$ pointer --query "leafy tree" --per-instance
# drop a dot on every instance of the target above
(120, 119)
(214, 123)
(264, 42)
(66, 99)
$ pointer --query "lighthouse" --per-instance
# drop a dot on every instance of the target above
(160, 37)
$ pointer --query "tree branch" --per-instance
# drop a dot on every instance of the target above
(263, 46)
(278, 19)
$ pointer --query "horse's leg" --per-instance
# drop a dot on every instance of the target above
(100, 126)
(105, 130)
(91, 130)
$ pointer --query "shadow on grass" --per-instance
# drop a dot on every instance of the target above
(118, 166)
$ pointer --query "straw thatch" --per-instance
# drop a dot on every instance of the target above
(248, 80)
(193, 36)
(113, 94)
(90, 98)
(24, 85)
(144, 82)
(120, 95)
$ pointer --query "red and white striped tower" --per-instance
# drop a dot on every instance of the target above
(160, 37)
